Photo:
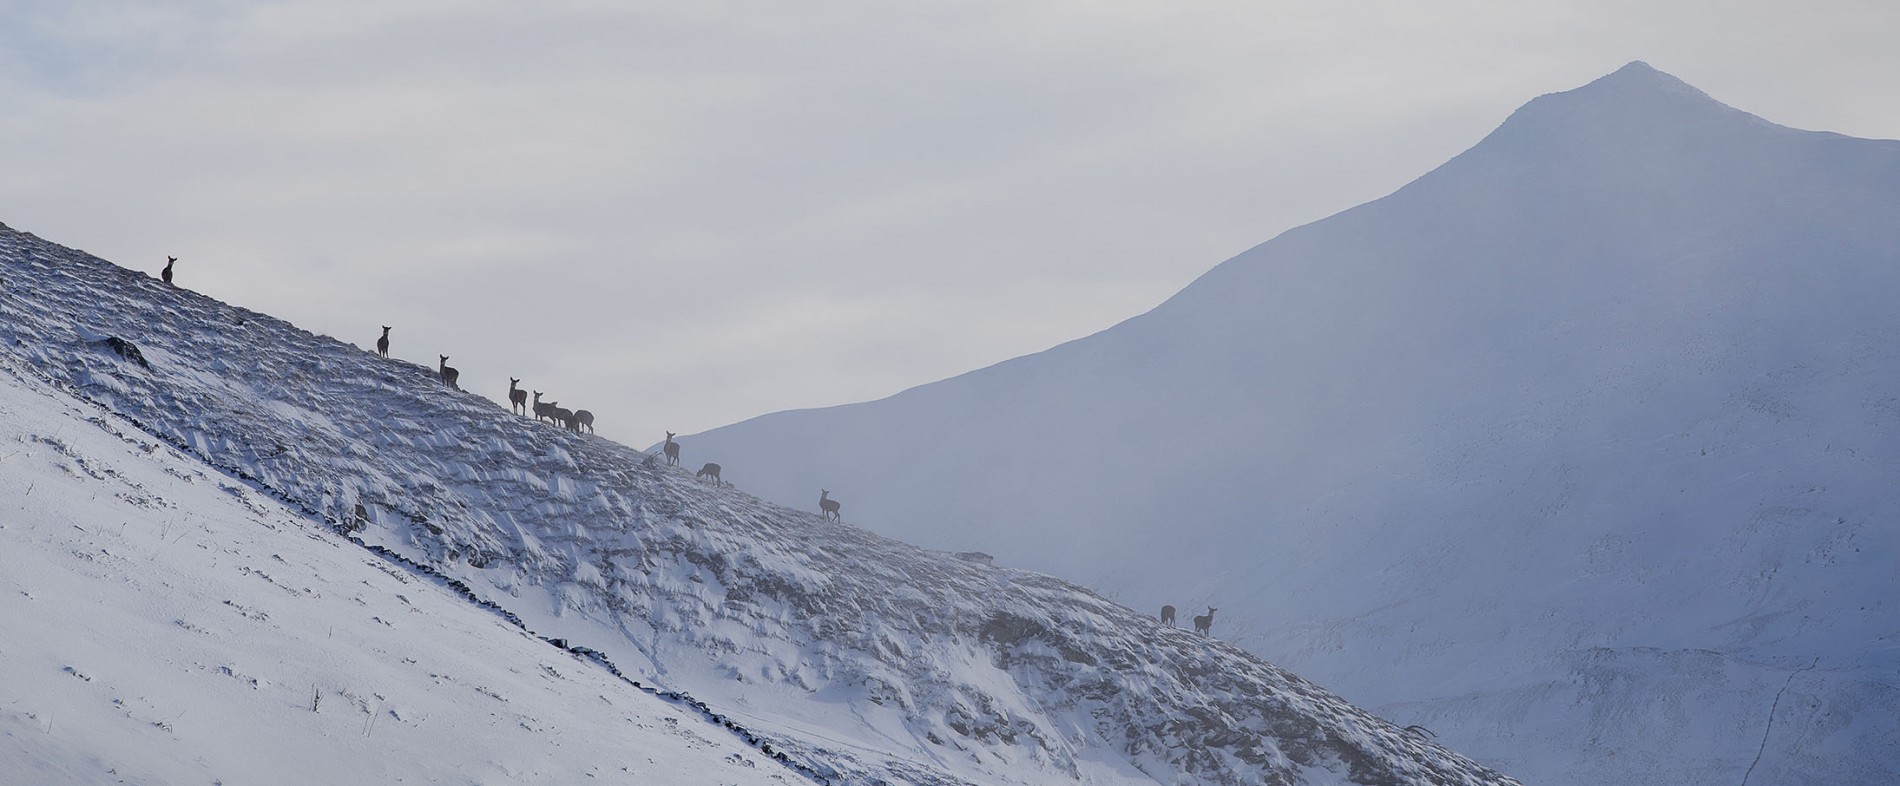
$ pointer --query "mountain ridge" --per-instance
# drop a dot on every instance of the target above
(931, 669)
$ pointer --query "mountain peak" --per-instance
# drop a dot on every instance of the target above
(1636, 91)
(1639, 78)
(1636, 114)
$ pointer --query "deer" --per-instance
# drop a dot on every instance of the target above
(672, 450)
(541, 410)
(517, 398)
(382, 344)
(829, 507)
(562, 416)
(710, 469)
(166, 274)
(1167, 616)
(1204, 622)
(583, 418)
(449, 375)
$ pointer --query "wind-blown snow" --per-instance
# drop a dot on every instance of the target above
(1581, 449)
(863, 659)
(167, 624)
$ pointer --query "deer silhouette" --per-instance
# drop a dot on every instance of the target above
(710, 469)
(562, 416)
(382, 344)
(448, 375)
(1204, 622)
(829, 507)
(541, 410)
(672, 450)
(1167, 616)
(517, 398)
(166, 274)
(583, 419)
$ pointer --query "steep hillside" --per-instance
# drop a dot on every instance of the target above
(861, 658)
(1579, 449)
(170, 625)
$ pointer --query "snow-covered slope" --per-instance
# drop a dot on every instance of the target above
(863, 659)
(170, 625)
(1581, 449)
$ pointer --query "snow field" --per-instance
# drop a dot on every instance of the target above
(171, 625)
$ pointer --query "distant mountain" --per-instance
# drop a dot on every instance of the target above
(1580, 450)
(858, 659)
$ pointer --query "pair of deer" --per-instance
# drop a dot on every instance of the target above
(672, 451)
(1202, 622)
(448, 374)
(572, 420)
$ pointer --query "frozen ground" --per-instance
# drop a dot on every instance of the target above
(863, 659)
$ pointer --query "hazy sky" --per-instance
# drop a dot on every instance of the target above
(679, 215)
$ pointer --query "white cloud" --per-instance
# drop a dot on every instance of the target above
(690, 213)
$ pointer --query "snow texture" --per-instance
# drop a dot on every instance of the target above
(860, 659)
(169, 624)
(1579, 450)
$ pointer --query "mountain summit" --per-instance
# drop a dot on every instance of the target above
(1578, 449)
(1635, 88)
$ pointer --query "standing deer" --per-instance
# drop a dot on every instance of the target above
(382, 344)
(1204, 622)
(829, 507)
(542, 410)
(562, 416)
(710, 469)
(449, 375)
(517, 398)
(583, 418)
(672, 450)
(1167, 616)
(166, 274)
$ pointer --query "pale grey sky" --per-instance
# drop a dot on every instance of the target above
(679, 215)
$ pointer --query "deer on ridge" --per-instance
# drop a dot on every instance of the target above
(166, 274)
(583, 418)
(541, 410)
(382, 344)
(710, 469)
(1167, 616)
(829, 507)
(1204, 622)
(517, 398)
(672, 450)
(449, 375)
